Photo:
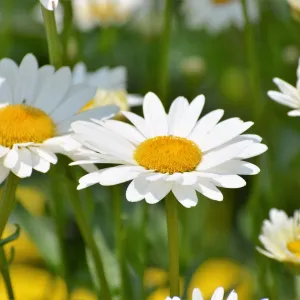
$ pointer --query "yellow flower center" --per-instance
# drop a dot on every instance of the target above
(294, 247)
(221, 1)
(168, 154)
(20, 123)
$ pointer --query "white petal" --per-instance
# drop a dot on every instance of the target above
(176, 177)
(190, 116)
(287, 89)
(98, 113)
(155, 115)
(176, 112)
(3, 173)
(134, 100)
(39, 164)
(283, 99)
(235, 167)
(229, 181)
(3, 151)
(233, 296)
(218, 294)
(23, 168)
(90, 179)
(205, 124)
(294, 113)
(157, 191)
(54, 91)
(209, 190)
(9, 71)
(126, 130)
(11, 158)
(224, 132)
(219, 156)
(186, 195)
(119, 174)
(138, 122)
(253, 150)
(45, 154)
(137, 189)
(197, 295)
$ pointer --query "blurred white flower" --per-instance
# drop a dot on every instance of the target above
(37, 106)
(217, 15)
(92, 13)
(218, 295)
(170, 152)
(49, 4)
(288, 95)
(281, 237)
(111, 86)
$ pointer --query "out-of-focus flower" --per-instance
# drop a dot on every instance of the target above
(37, 106)
(295, 6)
(25, 250)
(217, 15)
(288, 95)
(218, 295)
(281, 237)
(92, 13)
(193, 66)
(212, 273)
(50, 4)
(221, 272)
(170, 152)
(33, 283)
(111, 87)
(32, 199)
(290, 54)
(83, 294)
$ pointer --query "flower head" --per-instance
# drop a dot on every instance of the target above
(281, 237)
(37, 106)
(170, 152)
(217, 15)
(111, 87)
(288, 95)
(50, 4)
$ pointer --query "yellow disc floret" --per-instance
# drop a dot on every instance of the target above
(20, 123)
(168, 154)
(294, 247)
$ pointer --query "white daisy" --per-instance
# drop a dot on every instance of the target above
(217, 15)
(170, 152)
(89, 14)
(37, 106)
(111, 86)
(288, 95)
(281, 237)
(218, 295)
(49, 4)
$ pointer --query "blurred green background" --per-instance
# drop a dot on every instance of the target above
(224, 234)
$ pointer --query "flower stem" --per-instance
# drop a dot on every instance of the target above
(172, 227)
(297, 287)
(165, 46)
(4, 267)
(52, 38)
(87, 234)
(7, 200)
(253, 63)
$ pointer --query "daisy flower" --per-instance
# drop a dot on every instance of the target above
(281, 237)
(92, 13)
(50, 4)
(217, 15)
(111, 86)
(37, 106)
(218, 295)
(170, 152)
(288, 95)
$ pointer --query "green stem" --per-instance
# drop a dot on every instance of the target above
(172, 227)
(52, 38)
(166, 38)
(4, 267)
(253, 63)
(87, 234)
(297, 287)
(7, 200)
(143, 248)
